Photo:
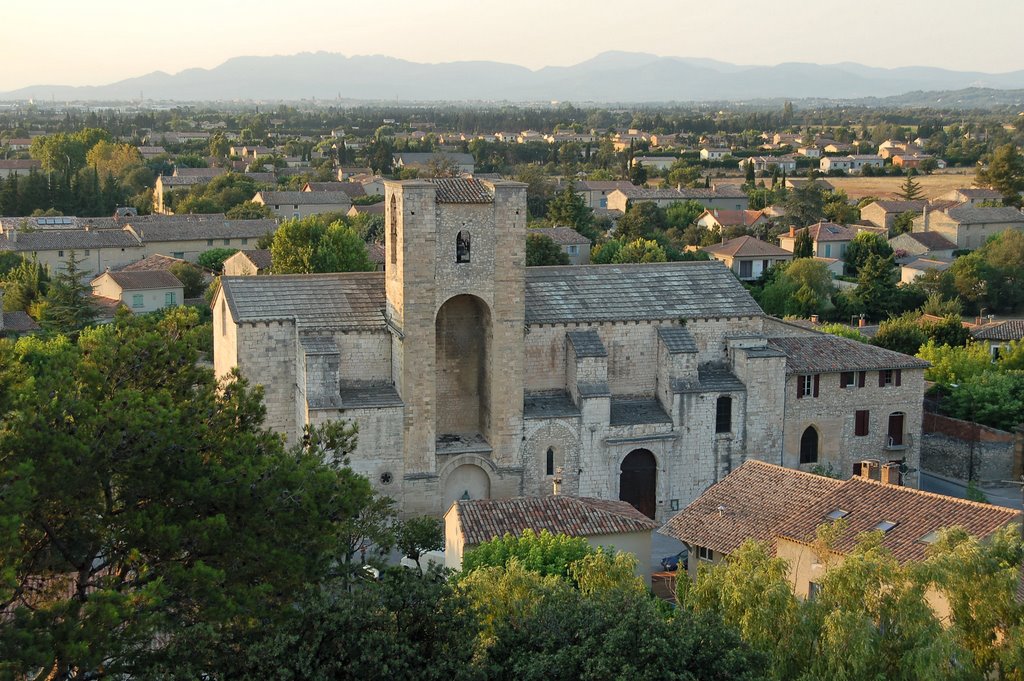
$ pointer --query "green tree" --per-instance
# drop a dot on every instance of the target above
(155, 506)
(903, 334)
(805, 204)
(638, 174)
(542, 250)
(605, 253)
(1004, 173)
(568, 208)
(876, 285)
(341, 249)
(247, 210)
(910, 190)
(992, 398)
(541, 553)
(863, 246)
(640, 250)
(214, 258)
(802, 287)
(67, 306)
(191, 277)
(903, 223)
(417, 536)
(24, 285)
(749, 177)
(640, 221)
(803, 246)
(682, 214)
(951, 364)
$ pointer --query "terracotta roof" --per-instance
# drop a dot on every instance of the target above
(747, 246)
(485, 519)
(461, 190)
(749, 503)
(18, 321)
(564, 236)
(1008, 329)
(153, 262)
(825, 353)
(829, 231)
(734, 218)
(916, 515)
(144, 279)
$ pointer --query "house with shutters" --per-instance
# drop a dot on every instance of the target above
(748, 257)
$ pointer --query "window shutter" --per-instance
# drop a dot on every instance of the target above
(816, 377)
(799, 387)
(899, 376)
(881, 378)
(861, 375)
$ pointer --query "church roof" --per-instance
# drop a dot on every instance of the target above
(597, 293)
(340, 300)
(461, 190)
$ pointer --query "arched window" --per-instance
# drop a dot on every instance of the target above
(394, 229)
(549, 462)
(723, 415)
(462, 246)
(809, 445)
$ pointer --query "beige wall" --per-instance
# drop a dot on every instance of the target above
(964, 236)
(152, 299)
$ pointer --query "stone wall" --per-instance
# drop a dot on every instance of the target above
(969, 451)
(266, 356)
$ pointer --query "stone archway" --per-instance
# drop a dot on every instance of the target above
(638, 481)
(466, 481)
(463, 346)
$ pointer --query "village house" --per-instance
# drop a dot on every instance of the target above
(595, 192)
(728, 197)
(422, 161)
(654, 162)
(969, 227)
(830, 240)
(782, 508)
(768, 164)
(748, 257)
(973, 196)
(915, 268)
(907, 160)
(292, 204)
(572, 243)
(809, 152)
(997, 334)
(931, 245)
(468, 372)
(349, 172)
(10, 167)
(717, 220)
(248, 263)
(151, 152)
(145, 291)
(353, 189)
(714, 153)
(884, 213)
(603, 523)
(853, 164)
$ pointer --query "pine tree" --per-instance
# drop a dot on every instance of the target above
(910, 190)
(804, 245)
(68, 306)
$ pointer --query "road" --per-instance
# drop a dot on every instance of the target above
(1008, 496)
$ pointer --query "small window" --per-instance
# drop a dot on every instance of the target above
(847, 379)
(549, 462)
(245, 242)
(704, 553)
(813, 590)
(462, 247)
(885, 525)
(861, 422)
(227, 242)
(574, 250)
(87, 252)
(837, 513)
(169, 298)
(209, 242)
(60, 254)
(137, 300)
(930, 538)
(180, 255)
(723, 414)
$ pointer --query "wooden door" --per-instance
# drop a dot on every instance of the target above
(638, 481)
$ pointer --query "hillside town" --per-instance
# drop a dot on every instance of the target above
(742, 389)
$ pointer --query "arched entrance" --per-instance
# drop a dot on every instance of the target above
(809, 445)
(463, 342)
(467, 481)
(638, 481)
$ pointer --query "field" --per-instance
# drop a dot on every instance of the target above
(933, 186)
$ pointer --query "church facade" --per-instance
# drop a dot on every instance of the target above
(471, 376)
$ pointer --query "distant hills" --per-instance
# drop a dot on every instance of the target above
(608, 77)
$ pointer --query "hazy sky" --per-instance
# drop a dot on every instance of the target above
(94, 42)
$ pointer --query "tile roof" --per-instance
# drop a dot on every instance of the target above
(627, 411)
(549, 405)
(933, 241)
(339, 300)
(141, 280)
(899, 206)
(372, 209)
(970, 215)
(916, 514)
(196, 227)
(19, 164)
(825, 353)
(586, 343)
(718, 378)
(484, 519)
(734, 218)
(205, 173)
(69, 239)
(304, 198)
(353, 189)
(424, 157)
(318, 345)
(18, 322)
(1008, 329)
(259, 257)
(677, 339)
(564, 236)
(978, 193)
(747, 246)
(567, 293)
(928, 264)
(749, 503)
(153, 262)
(829, 231)
(461, 190)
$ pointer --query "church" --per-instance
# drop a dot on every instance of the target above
(472, 376)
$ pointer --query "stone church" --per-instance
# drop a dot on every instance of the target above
(471, 376)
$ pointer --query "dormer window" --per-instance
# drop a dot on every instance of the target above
(462, 244)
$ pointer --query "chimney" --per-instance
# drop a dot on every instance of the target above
(924, 213)
(556, 482)
(865, 469)
(814, 319)
(891, 474)
(861, 322)
(792, 230)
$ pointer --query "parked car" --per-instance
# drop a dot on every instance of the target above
(673, 563)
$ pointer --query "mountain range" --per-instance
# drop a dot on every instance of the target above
(608, 77)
